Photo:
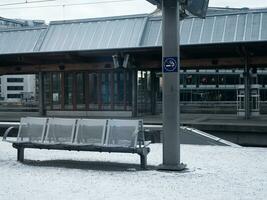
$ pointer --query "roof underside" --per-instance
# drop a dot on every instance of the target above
(135, 32)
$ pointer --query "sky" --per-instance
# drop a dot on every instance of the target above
(62, 10)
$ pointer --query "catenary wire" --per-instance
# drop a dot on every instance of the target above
(26, 2)
(66, 5)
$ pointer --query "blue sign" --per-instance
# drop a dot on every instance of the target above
(170, 64)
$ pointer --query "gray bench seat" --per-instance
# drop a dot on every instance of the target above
(122, 136)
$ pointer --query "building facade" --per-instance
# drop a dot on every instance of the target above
(17, 88)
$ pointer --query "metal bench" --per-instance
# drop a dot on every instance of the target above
(122, 136)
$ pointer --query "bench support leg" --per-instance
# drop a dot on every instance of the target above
(143, 159)
(20, 155)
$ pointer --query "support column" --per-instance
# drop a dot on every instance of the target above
(153, 93)
(62, 88)
(247, 90)
(171, 86)
(99, 95)
(134, 93)
(86, 88)
(111, 88)
(74, 91)
(41, 94)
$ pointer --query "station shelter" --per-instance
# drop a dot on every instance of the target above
(112, 66)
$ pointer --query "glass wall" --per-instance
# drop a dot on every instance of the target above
(80, 90)
(105, 90)
(94, 99)
(56, 90)
(68, 89)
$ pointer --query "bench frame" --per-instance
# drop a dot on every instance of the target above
(142, 150)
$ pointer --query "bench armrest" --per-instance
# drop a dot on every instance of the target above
(6, 133)
(146, 143)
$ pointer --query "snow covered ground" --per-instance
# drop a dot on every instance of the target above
(214, 173)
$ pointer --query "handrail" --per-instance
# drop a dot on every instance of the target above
(6, 133)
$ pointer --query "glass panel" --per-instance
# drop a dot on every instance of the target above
(47, 90)
(262, 79)
(68, 91)
(31, 129)
(121, 136)
(80, 91)
(91, 131)
(90, 134)
(93, 91)
(122, 133)
(31, 132)
(119, 90)
(144, 92)
(232, 79)
(263, 95)
(128, 90)
(242, 103)
(56, 90)
(60, 130)
(105, 91)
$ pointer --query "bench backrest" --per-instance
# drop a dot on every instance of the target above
(122, 132)
(31, 129)
(90, 131)
(112, 133)
(60, 130)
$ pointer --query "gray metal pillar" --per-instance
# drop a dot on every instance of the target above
(247, 89)
(171, 86)
(41, 94)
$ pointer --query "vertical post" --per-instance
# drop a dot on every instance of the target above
(111, 87)
(99, 95)
(20, 154)
(171, 86)
(62, 88)
(125, 89)
(134, 93)
(41, 94)
(153, 92)
(86, 88)
(143, 161)
(247, 89)
(74, 91)
(51, 90)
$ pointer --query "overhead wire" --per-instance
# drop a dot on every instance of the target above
(65, 5)
(26, 2)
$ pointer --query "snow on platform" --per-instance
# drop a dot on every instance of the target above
(215, 172)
